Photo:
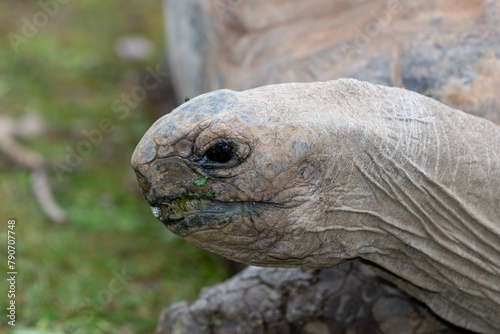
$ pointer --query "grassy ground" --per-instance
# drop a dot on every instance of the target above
(112, 267)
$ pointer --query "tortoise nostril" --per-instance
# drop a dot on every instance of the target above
(143, 181)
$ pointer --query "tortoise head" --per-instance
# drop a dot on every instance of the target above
(228, 171)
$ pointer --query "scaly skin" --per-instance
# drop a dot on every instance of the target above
(323, 173)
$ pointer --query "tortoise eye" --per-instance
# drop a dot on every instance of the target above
(221, 156)
(221, 152)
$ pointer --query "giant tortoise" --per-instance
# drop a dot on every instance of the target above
(317, 174)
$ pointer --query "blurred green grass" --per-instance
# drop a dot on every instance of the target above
(69, 73)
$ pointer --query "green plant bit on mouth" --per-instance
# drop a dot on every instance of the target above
(201, 181)
(211, 194)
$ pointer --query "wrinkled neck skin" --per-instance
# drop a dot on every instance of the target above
(414, 191)
(405, 216)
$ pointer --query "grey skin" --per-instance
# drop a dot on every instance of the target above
(314, 175)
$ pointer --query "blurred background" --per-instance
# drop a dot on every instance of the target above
(71, 74)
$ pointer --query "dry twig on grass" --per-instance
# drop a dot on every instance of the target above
(32, 125)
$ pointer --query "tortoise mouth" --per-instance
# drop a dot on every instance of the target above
(179, 209)
(196, 212)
